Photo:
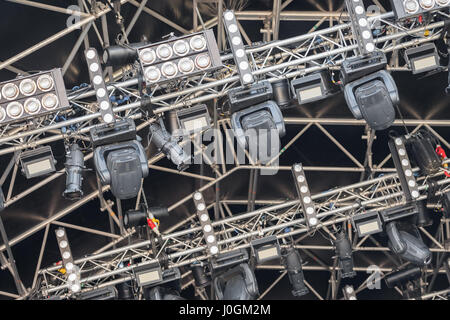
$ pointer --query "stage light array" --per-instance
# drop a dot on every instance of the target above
(410, 8)
(180, 57)
(32, 96)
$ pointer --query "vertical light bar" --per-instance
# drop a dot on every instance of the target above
(237, 47)
(349, 292)
(360, 26)
(404, 169)
(205, 221)
(304, 195)
(98, 82)
(72, 271)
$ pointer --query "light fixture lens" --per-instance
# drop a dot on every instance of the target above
(411, 6)
(32, 105)
(415, 194)
(63, 244)
(301, 178)
(232, 28)
(14, 110)
(104, 105)
(243, 65)
(69, 266)
(310, 210)
(101, 93)
(169, 69)
(363, 22)
(164, 52)
(90, 54)
(405, 162)
(27, 87)
(236, 41)
(247, 78)
(10, 91)
(186, 65)
(303, 189)
(75, 288)
(198, 43)
(152, 74)
(148, 56)
(181, 47)
(197, 196)
(60, 233)
(427, 4)
(443, 3)
(97, 80)
(2, 114)
(214, 250)
(108, 118)
(359, 10)
(66, 255)
(72, 277)
(50, 101)
(313, 221)
(210, 238)
(45, 82)
(366, 34)
(229, 15)
(94, 67)
(240, 53)
(207, 228)
(201, 206)
(370, 47)
(204, 217)
(202, 61)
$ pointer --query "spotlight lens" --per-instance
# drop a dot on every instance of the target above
(236, 41)
(427, 4)
(45, 82)
(90, 54)
(349, 290)
(214, 250)
(370, 47)
(411, 183)
(66, 255)
(201, 206)
(148, 56)
(181, 47)
(301, 178)
(164, 52)
(63, 244)
(303, 189)
(408, 173)
(211, 239)
(229, 15)
(108, 118)
(363, 22)
(186, 65)
(27, 87)
(60, 233)
(204, 217)
(247, 78)
(97, 80)
(398, 141)
(240, 53)
(310, 210)
(10, 91)
(313, 221)
(411, 6)
(50, 101)
(366, 34)
(104, 105)
(14, 110)
(152, 74)
(359, 10)
(69, 266)
(243, 65)
(197, 196)
(203, 61)
(169, 69)
(75, 288)
(443, 2)
(198, 43)
(207, 228)
(307, 200)
(415, 194)
(232, 28)
(405, 162)
(72, 277)
(32, 106)
(94, 67)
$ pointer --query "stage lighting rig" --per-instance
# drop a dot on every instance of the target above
(33, 96)
(422, 58)
(237, 48)
(37, 162)
(408, 246)
(98, 83)
(179, 57)
(304, 194)
(403, 167)
(119, 158)
(238, 283)
(74, 169)
(312, 87)
(405, 9)
(260, 122)
(293, 263)
(167, 144)
(344, 254)
(423, 152)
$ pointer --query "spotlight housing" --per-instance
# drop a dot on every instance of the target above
(312, 87)
(293, 263)
(344, 254)
(74, 169)
(38, 162)
(422, 58)
(266, 249)
(282, 93)
(367, 223)
(238, 283)
(194, 119)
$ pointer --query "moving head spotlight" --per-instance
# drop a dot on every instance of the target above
(373, 98)
(238, 283)
(167, 145)
(162, 293)
(120, 164)
(407, 246)
(74, 168)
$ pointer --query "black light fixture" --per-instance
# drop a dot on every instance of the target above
(37, 162)
(139, 218)
(179, 57)
(293, 263)
(238, 283)
(312, 87)
(148, 275)
(163, 293)
(193, 119)
(282, 93)
(408, 246)
(266, 249)
(373, 98)
(367, 223)
(74, 168)
(106, 293)
(344, 254)
(422, 58)
(402, 276)
(120, 161)
(167, 144)
(243, 97)
(33, 96)
(422, 149)
(262, 123)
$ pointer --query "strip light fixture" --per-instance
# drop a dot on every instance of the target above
(305, 195)
(237, 47)
(360, 26)
(72, 271)
(205, 221)
(98, 82)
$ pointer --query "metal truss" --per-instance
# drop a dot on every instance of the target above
(321, 48)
